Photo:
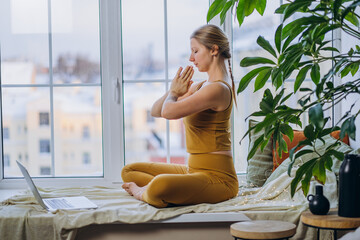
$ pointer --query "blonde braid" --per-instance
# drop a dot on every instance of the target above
(232, 82)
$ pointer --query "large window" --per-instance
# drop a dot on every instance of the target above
(50, 85)
(79, 77)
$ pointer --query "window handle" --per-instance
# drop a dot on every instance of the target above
(116, 86)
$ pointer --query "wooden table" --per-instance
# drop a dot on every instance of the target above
(331, 221)
(263, 229)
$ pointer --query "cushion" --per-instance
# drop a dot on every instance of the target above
(320, 147)
(299, 136)
(260, 166)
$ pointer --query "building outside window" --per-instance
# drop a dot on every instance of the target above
(45, 170)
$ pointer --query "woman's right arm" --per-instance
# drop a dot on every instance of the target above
(157, 106)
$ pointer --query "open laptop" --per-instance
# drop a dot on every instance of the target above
(52, 204)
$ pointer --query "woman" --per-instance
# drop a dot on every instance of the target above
(205, 108)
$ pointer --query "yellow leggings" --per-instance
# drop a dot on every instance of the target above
(210, 178)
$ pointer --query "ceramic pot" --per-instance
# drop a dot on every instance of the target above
(349, 186)
(318, 203)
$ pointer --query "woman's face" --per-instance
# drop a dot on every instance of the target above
(200, 55)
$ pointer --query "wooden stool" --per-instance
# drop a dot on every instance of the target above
(263, 229)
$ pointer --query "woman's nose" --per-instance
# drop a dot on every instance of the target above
(191, 59)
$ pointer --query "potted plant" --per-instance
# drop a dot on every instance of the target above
(299, 49)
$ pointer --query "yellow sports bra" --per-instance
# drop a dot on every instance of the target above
(209, 130)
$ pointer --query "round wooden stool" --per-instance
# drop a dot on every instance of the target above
(263, 229)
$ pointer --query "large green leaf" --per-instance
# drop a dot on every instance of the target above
(295, 6)
(215, 8)
(266, 45)
(250, 61)
(319, 171)
(316, 115)
(256, 145)
(301, 77)
(224, 11)
(262, 78)
(240, 11)
(303, 169)
(278, 38)
(315, 73)
(260, 6)
(287, 130)
(248, 77)
(249, 7)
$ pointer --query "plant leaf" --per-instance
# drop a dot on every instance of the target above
(214, 9)
(303, 169)
(249, 7)
(316, 116)
(287, 130)
(266, 45)
(351, 17)
(224, 11)
(301, 77)
(315, 73)
(247, 78)
(262, 78)
(250, 61)
(240, 11)
(256, 145)
(278, 37)
(260, 6)
(319, 172)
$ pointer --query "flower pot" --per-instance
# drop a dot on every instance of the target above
(349, 186)
(318, 203)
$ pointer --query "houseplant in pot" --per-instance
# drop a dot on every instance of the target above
(300, 48)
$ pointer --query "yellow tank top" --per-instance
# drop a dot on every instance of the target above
(209, 130)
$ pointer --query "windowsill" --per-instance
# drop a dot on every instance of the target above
(184, 218)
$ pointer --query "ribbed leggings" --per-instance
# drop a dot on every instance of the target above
(208, 178)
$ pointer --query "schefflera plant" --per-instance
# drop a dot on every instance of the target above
(299, 49)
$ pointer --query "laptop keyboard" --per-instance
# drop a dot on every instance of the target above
(58, 203)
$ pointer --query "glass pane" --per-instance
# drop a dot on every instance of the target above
(183, 20)
(78, 131)
(244, 37)
(24, 41)
(145, 136)
(28, 138)
(76, 43)
(143, 39)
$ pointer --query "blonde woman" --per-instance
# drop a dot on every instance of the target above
(205, 108)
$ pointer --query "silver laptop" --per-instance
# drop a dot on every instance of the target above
(52, 204)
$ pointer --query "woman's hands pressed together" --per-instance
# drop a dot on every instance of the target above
(181, 82)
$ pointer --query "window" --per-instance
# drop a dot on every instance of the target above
(45, 171)
(50, 77)
(86, 132)
(44, 146)
(86, 158)
(44, 119)
(6, 160)
(6, 133)
(52, 74)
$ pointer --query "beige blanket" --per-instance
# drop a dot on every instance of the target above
(22, 218)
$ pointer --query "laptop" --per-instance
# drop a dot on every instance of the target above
(52, 204)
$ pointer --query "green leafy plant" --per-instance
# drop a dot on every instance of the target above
(300, 46)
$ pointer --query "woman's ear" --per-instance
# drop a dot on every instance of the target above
(214, 50)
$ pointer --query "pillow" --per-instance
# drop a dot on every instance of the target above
(299, 136)
(260, 166)
(320, 147)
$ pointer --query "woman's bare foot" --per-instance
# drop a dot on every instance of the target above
(134, 190)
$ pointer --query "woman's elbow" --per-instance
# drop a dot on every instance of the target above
(169, 115)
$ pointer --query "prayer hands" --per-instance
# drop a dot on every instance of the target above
(182, 81)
